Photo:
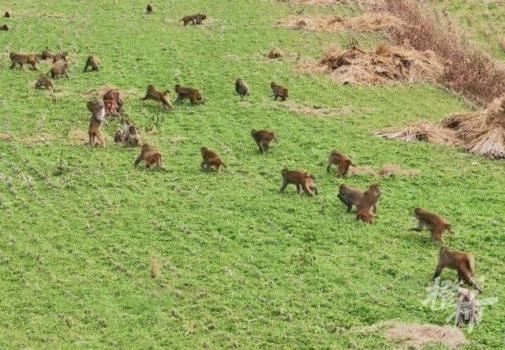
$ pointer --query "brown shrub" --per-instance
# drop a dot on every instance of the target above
(468, 70)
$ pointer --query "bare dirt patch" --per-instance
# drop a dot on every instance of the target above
(419, 335)
(37, 138)
(5, 136)
(365, 23)
(78, 136)
(386, 64)
(387, 170)
(315, 110)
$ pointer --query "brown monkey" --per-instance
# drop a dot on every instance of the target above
(7, 14)
(301, 179)
(111, 108)
(44, 82)
(350, 196)
(149, 9)
(194, 19)
(92, 62)
(45, 55)
(279, 91)
(192, 94)
(151, 156)
(341, 161)
(129, 135)
(4, 27)
(113, 94)
(210, 159)
(158, 96)
(59, 70)
(263, 139)
(241, 88)
(62, 56)
(435, 223)
(462, 262)
(21, 59)
(97, 110)
(367, 205)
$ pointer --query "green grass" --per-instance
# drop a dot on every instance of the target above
(241, 265)
(482, 21)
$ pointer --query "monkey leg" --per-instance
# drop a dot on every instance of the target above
(468, 278)
(375, 208)
(283, 98)
(328, 168)
(100, 138)
(13, 65)
(275, 97)
(92, 140)
(298, 188)
(137, 160)
(314, 189)
(436, 234)
(306, 190)
(203, 165)
(265, 147)
(438, 271)
(283, 186)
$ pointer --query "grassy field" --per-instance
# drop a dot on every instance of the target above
(240, 264)
(482, 21)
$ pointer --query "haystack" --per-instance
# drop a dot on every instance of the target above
(365, 23)
(386, 63)
(482, 132)
(423, 131)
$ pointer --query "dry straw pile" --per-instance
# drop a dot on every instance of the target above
(386, 63)
(481, 132)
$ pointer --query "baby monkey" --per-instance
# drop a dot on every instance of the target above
(210, 159)
(341, 161)
(149, 9)
(59, 70)
(151, 157)
(44, 82)
(279, 91)
(92, 62)
(434, 222)
(97, 110)
(241, 88)
(462, 262)
(158, 96)
(4, 27)
(263, 139)
(367, 206)
(115, 95)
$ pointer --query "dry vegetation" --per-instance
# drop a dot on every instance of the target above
(423, 131)
(387, 63)
(367, 22)
(417, 336)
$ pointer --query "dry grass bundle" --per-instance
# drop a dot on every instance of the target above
(274, 53)
(367, 22)
(387, 63)
(387, 170)
(423, 131)
(417, 336)
(482, 132)
(155, 269)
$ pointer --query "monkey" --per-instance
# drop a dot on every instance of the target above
(60, 56)
(350, 196)
(4, 27)
(45, 55)
(194, 19)
(301, 179)
(151, 156)
(21, 59)
(111, 108)
(263, 139)
(210, 159)
(149, 9)
(58, 70)
(158, 96)
(192, 94)
(129, 135)
(341, 161)
(367, 204)
(44, 82)
(279, 91)
(97, 109)
(241, 88)
(92, 62)
(113, 94)
(462, 262)
(435, 223)
(7, 14)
